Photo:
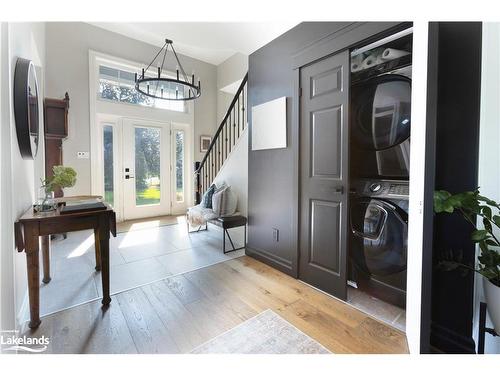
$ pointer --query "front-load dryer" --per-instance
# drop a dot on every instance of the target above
(379, 238)
(380, 126)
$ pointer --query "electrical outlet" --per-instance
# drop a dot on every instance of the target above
(276, 235)
(82, 154)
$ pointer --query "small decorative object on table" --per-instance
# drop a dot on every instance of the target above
(63, 177)
(472, 205)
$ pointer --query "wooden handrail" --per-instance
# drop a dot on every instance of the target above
(223, 123)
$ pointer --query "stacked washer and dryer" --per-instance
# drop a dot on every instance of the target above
(379, 171)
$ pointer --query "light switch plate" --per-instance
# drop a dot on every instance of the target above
(82, 154)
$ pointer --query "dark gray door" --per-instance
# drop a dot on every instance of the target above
(324, 173)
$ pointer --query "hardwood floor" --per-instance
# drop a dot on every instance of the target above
(177, 314)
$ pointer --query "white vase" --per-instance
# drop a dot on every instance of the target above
(492, 295)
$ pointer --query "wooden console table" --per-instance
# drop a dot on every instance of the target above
(31, 226)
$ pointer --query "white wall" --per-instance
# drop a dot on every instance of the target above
(234, 172)
(229, 72)
(489, 151)
(68, 46)
(20, 178)
(235, 169)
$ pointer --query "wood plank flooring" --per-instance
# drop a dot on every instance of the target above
(177, 314)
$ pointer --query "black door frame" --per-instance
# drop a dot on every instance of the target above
(445, 98)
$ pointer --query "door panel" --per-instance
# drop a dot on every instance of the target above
(326, 82)
(321, 239)
(324, 173)
(326, 128)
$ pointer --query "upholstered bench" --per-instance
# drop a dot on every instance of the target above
(228, 222)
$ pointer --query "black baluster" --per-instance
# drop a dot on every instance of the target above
(234, 127)
(238, 116)
(230, 132)
(219, 151)
(225, 139)
(243, 106)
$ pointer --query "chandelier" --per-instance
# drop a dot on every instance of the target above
(151, 82)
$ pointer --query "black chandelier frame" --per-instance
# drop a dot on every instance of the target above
(193, 90)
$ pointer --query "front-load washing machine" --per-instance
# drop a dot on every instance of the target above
(379, 238)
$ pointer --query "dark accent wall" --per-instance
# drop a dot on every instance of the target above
(273, 174)
(453, 122)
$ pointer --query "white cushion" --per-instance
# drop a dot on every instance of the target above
(224, 202)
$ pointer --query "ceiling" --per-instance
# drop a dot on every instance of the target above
(212, 42)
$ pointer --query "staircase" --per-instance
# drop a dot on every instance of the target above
(224, 140)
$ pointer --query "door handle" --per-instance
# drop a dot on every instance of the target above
(338, 190)
(127, 176)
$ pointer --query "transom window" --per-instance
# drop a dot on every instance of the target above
(119, 85)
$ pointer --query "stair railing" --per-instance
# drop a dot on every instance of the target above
(223, 142)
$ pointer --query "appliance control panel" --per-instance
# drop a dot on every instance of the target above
(383, 188)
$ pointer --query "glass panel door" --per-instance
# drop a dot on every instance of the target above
(146, 158)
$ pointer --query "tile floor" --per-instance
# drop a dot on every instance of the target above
(137, 257)
(379, 309)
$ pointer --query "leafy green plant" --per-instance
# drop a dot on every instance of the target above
(471, 205)
(63, 177)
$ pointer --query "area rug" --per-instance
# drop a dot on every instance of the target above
(147, 223)
(265, 333)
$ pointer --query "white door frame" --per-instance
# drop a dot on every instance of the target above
(417, 162)
(102, 110)
(118, 170)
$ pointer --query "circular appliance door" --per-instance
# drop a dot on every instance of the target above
(380, 241)
(381, 112)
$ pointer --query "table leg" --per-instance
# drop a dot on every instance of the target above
(104, 245)
(32, 260)
(97, 245)
(46, 259)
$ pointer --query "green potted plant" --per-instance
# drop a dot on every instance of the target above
(474, 207)
(62, 177)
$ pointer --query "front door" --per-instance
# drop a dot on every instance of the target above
(324, 173)
(146, 169)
